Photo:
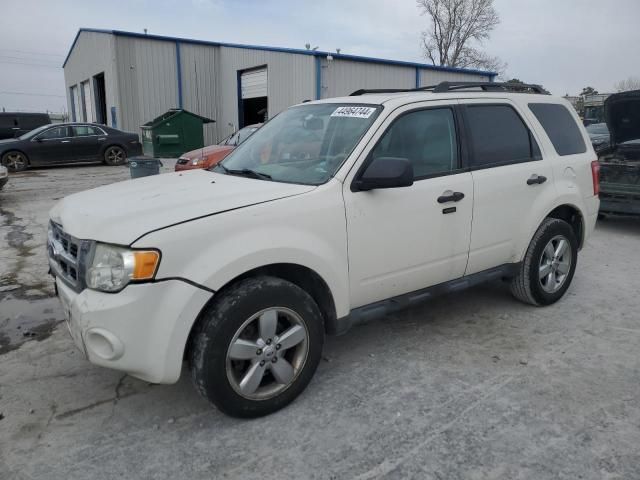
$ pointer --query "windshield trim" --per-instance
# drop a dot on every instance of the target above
(376, 115)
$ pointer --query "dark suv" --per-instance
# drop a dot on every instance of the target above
(15, 124)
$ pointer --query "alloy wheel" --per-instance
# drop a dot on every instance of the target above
(15, 161)
(267, 353)
(555, 264)
(115, 156)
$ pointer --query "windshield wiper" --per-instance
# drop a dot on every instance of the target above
(246, 172)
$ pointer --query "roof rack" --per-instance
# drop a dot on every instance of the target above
(443, 87)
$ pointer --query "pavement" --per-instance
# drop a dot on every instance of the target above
(472, 385)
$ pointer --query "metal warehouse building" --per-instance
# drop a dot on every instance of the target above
(125, 79)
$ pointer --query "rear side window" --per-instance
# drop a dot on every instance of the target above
(499, 136)
(84, 131)
(560, 127)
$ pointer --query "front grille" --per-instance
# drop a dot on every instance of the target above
(65, 256)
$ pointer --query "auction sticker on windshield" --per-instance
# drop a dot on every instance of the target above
(353, 112)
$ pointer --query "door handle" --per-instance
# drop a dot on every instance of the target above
(65, 141)
(450, 196)
(536, 179)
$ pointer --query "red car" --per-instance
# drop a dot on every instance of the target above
(207, 157)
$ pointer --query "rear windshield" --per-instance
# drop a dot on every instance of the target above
(560, 127)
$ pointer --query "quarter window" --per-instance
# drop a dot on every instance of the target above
(427, 138)
(561, 128)
(499, 136)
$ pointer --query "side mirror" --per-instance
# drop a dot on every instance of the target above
(385, 172)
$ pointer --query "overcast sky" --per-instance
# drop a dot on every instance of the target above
(563, 44)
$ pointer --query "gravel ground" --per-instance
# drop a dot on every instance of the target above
(472, 385)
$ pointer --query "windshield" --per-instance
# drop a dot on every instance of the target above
(305, 144)
(33, 133)
(598, 129)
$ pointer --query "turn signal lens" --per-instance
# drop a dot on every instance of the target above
(144, 266)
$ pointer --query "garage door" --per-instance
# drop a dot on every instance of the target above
(254, 83)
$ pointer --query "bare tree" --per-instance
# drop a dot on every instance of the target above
(631, 83)
(456, 30)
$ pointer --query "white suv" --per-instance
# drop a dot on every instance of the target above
(335, 211)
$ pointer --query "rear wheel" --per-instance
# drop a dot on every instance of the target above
(15, 161)
(549, 265)
(115, 156)
(257, 346)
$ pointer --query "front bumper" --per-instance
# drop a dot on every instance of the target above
(141, 330)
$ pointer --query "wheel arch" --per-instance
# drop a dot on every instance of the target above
(304, 277)
(573, 216)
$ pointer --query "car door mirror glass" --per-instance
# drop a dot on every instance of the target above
(385, 172)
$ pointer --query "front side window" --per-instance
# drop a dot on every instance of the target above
(499, 136)
(54, 133)
(306, 144)
(561, 128)
(427, 138)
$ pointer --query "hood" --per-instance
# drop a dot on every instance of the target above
(622, 114)
(206, 151)
(5, 141)
(122, 212)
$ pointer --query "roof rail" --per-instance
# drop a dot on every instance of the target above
(443, 87)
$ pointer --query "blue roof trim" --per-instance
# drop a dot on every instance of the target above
(314, 53)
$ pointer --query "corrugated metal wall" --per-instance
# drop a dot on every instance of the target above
(291, 80)
(92, 54)
(433, 77)
(200, 85)
(141, 78)
(147, 80)
(341, 77)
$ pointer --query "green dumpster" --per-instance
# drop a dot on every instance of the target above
(173, 133)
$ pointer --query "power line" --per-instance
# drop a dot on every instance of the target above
(10, 62)
(6, 92)
(27, 52)
(27, 59)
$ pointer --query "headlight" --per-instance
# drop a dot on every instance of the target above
(113, 268)
(196, 161)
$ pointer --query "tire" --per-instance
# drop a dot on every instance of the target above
(15, 161)
(227, 376)
(532, 284)
(115, 155)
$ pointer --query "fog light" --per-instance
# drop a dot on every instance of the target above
(104, 344)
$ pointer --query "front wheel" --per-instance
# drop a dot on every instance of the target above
(15, 161)
(257, 346)
(549, 264)
(115, 156)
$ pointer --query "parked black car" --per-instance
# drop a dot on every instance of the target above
(69, 143)
(13, 125)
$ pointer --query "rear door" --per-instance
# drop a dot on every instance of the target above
(510, 180)
(51, 146)
(87, 141)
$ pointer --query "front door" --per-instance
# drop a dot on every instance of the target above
(52, 146)
(405, 239)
